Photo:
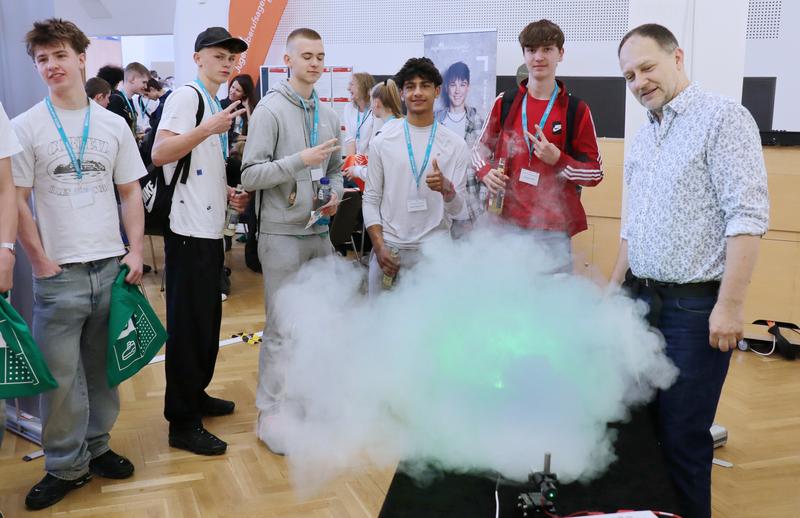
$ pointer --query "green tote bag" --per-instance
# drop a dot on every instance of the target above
(135, 334)
(23, 371)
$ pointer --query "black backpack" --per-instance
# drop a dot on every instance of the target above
(157, 194)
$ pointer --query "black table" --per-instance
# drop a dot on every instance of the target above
(636, 481)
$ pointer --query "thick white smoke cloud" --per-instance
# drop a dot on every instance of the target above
(478, 359)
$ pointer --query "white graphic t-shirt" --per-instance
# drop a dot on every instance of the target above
(77, 217)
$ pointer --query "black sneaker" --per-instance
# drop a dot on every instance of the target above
(111, 465)
(197, 440)
(52, 489)
(214, 406)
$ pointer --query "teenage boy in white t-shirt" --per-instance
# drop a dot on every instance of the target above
(193, 243)
(416, 178)
(74, 153)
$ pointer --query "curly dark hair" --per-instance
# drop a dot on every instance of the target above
(418, 67)
(112, 74)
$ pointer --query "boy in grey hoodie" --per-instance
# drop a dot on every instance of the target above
(292, 143)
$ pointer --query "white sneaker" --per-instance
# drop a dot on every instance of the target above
(223, 297)
(270, 431)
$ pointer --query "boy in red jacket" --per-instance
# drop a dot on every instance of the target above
(546, 160)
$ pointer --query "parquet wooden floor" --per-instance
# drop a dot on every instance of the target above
(758, 407)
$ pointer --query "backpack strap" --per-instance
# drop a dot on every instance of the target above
(182, 168)
(508, 99)
(572, 109)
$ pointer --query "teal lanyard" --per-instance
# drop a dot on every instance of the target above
(417, 173)
(130, 107)
(142, 107)
(542, 122)
(315, 126)
(216, 107)
(360, 123)
(77, 161)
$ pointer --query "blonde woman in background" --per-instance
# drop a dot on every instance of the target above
(385, 105)
(358, 116)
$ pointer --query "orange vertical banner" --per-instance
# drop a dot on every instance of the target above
(254, 21)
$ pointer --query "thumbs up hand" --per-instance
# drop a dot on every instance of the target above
(437, 182)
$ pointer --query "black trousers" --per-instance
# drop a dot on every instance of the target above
(194, 314)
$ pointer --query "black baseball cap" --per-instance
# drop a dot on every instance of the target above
(219, 37)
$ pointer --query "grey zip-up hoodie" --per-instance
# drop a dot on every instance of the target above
(278, 131)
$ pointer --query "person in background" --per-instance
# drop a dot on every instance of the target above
(121, 103)
(241, 89)
(112, 74)
(358, 118)
(98, 90)
(386, 106)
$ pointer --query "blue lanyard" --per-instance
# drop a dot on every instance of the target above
(543, 120)
(130, 106)
(315, 127)
(216, 107)
(76, 161)
(360, 123)
(417, 173)
(142, 106)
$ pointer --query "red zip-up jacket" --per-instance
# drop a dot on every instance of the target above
(553, 204)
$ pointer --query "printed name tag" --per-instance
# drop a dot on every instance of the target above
(316, 174)
(529, 177)
(417, 205)
(81, 198)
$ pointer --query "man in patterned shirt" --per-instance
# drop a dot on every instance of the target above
(697, 206)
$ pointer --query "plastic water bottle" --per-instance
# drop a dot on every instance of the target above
(323, 197)
(232, 216)
(388, 281)
(496, 200)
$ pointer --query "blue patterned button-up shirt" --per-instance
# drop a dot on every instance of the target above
(691, 181)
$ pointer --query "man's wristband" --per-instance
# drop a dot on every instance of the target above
(9, 246)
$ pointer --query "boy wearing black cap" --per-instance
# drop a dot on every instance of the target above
(193, 242)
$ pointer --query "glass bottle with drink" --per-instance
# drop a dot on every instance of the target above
(232, 216)
(496, 200)
(388, 280)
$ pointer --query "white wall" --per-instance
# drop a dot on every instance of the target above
(195, 17)
(777, 57)
(148, 49)
(380, 35)
(117, 17)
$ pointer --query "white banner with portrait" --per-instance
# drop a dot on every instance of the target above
(468, 64)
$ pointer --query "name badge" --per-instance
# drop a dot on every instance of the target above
(417, 205)
(81, 198)
(529, 177)
(316, 174)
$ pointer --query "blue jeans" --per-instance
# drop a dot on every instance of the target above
(70, 325)
(686, 410)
